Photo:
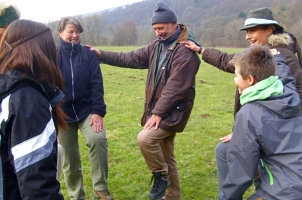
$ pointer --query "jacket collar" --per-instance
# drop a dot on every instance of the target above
(168, 41)
(69, 46)
(184, 35)
(279, 40)
(12, 80)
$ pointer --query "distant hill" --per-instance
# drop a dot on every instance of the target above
(214, 22)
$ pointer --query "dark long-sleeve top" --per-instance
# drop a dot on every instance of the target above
(83, 81)
(28, 140)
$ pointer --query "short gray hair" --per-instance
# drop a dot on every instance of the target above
(69, 20)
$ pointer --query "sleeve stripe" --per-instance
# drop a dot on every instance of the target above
(34, 149)
(36, 155)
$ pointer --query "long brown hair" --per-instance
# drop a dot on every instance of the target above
(29, 48)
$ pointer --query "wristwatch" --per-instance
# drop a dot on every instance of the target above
(200, 49)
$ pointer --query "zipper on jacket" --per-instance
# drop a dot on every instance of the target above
(271, 178)
(72, 83)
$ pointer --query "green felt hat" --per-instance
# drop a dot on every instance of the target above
(260, 16)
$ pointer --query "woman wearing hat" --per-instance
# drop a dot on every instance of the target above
(261, 29)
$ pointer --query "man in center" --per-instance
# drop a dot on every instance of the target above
(170, 93)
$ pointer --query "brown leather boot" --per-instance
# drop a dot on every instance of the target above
(103, 195)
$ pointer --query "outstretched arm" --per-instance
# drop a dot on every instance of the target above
(137, 59)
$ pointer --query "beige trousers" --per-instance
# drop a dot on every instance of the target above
(59, 162)
(157, 147)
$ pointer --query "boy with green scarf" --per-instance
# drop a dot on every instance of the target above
(267, 130)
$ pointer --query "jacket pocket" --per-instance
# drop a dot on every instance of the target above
(178, 117)
(267, 172)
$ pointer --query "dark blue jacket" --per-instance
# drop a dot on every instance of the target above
(28, 140)
(84, 92)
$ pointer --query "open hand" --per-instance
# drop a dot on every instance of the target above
(97, 122)
(153, 121)
(226, 138)
(92, 48)
(191, 45)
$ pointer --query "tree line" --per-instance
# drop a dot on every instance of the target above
(213, 22)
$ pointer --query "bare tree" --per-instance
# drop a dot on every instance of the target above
(53, 27)
(94, 26)
(125, 34)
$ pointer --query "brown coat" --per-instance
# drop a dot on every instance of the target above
(172, 94)
(280, 42)
(283, 43)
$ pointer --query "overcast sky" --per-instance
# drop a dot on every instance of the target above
(49, 10)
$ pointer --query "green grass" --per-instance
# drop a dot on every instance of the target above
(211, 118)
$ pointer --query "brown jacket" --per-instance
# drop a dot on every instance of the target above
(281, 42)
(171, 94)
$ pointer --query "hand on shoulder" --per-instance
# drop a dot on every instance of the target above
(194, 47)
(92, 48)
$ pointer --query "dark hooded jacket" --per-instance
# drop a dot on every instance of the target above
(28, 139)
(267, 132)
(170, 89)
(84, 92)
(282, 42)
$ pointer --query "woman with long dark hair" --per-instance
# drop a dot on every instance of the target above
(30, 93)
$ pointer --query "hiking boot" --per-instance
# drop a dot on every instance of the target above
(103, 195)
(160, 184)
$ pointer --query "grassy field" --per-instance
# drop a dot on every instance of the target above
(211, 118)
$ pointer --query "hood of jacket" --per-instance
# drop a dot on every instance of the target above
(262, 90)
(11, 81)
(282, 39)
(286, 105)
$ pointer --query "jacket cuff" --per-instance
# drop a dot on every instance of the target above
(102, 114)
(156, 113)
(102, 55)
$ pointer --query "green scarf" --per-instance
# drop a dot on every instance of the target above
(262, 90)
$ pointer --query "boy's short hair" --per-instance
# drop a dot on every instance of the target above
(257, 61)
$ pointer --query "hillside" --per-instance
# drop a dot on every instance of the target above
(214, 22)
